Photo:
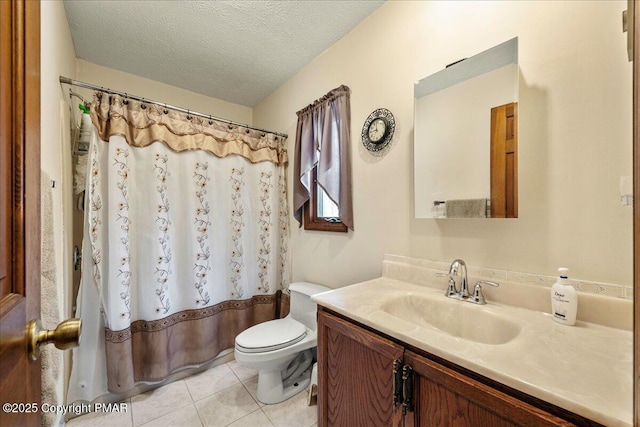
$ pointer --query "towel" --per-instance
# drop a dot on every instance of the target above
(466, 208)
(80, 175)
(52, 365)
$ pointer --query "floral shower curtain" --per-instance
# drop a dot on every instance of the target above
(186, 236)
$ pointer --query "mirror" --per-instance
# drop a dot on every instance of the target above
(465, 138)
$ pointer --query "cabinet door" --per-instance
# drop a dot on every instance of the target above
(444, 397)
(355, 375)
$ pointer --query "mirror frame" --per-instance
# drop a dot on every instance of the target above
(497, 62)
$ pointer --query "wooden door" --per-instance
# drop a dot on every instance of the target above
(355, 375)
(444, 397)
(19, 207)
(504, 161)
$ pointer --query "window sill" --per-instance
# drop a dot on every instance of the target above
(323, 224)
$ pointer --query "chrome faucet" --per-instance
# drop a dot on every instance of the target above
(463, 294)
(456, 265)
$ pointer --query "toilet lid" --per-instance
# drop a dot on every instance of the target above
(271, 335)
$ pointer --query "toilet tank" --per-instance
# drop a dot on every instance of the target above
(301, 307)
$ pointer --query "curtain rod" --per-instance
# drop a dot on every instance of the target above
(72, 82)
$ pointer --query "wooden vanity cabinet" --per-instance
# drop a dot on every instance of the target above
(447, 398)
(356, 387)
(355, 380)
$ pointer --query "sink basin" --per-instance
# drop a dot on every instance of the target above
(457, 318)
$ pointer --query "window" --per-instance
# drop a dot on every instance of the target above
(322, 164)
(321, 213)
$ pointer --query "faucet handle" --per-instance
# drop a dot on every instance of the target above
(478, 297)
(451, 291)
(486, 282)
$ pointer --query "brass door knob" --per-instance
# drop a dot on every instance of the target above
(66, 335)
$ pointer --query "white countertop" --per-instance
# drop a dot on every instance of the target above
(586, 368)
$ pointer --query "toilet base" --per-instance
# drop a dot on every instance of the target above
(273, 391)
(273, 388)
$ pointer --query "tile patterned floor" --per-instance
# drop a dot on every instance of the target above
(221, 396)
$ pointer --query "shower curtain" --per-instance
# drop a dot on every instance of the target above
(186, 242)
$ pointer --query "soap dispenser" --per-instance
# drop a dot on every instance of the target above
(564, 300)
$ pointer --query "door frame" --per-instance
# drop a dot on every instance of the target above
(20, 137)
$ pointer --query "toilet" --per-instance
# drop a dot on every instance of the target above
(283, 350)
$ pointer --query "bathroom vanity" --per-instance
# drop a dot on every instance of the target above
(393, 352)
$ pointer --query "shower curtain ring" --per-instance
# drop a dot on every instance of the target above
(210, 120)
(125, 101)
(165, 111)
(143, 105)
(188, 114)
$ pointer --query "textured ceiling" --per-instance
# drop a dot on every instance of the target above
(238, 51)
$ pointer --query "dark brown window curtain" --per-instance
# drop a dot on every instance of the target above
(322, 141)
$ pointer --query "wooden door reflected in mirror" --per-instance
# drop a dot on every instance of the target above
(504, 161)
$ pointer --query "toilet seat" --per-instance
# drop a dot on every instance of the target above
(271, 335)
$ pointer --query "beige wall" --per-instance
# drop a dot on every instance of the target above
(574, 130)
(124, 82)
(57, 57)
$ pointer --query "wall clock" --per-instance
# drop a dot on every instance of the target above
(378, 130)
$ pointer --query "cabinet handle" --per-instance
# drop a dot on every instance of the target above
(407, 377)
(397, 382)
